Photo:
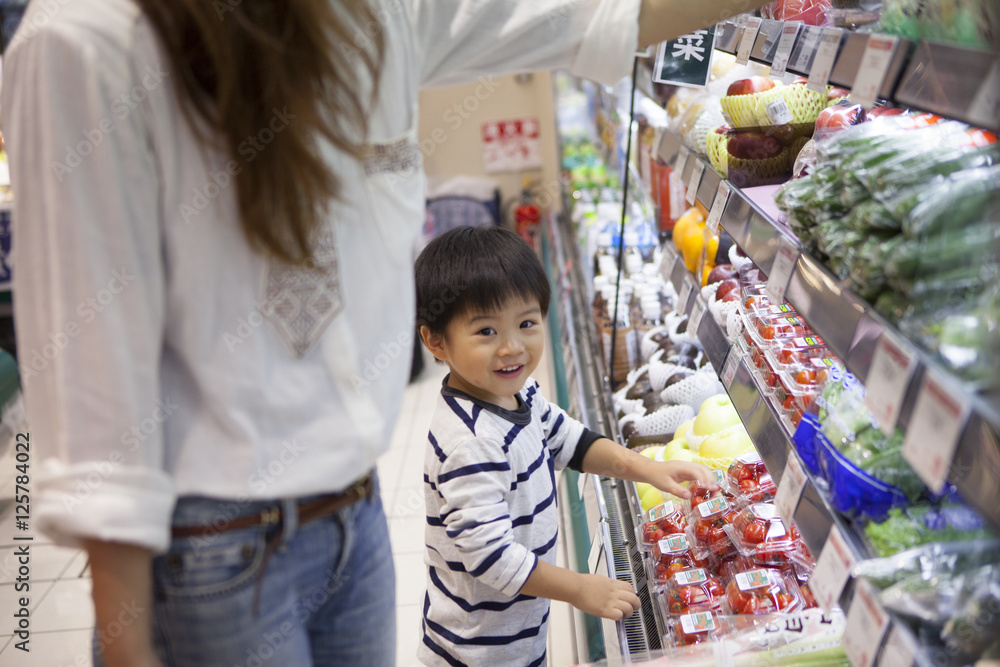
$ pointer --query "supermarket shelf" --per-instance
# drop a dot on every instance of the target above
(953, 81)
(851, 328)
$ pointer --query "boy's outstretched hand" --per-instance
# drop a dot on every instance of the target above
(668, 475)
(608, 598)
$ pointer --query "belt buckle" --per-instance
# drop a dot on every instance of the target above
(358, 488)
(271, 515)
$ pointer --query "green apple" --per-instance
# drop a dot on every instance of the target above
(683, 430)
(727, 444)
(672, 447)
(641, 488)
(713, 419)
(683, 455)
(650, 452)
(716, 401)
(651, 498)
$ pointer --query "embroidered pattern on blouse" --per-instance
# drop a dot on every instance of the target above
(301, 302)
(398, 156)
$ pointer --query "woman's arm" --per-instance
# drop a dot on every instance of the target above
(122, 591)
(609, 459)
(660, 20)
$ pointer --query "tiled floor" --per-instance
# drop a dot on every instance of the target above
(61, 611)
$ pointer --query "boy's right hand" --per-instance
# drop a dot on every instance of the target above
(604, 597)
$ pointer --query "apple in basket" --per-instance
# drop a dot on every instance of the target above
(755, 84)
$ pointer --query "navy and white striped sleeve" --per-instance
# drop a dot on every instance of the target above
(473, 481)
(567, 438)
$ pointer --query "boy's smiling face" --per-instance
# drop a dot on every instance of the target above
(491, 353)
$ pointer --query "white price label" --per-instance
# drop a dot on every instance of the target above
(733, 360)
(866, 625)
(695, 623)
(718, 207)
(789, 31)
(688, 577)
(833, 568)
(937, 423)
(747, 40)
(778, 112)
(810, 41)
(889, 375)
(682, 160)
(874, 66)
(676, 195)
(985, 106)
(897, 652)
(697, 314)
(748, 581)
(793, 480)
(781, 271)
(692, 186)
(685, 295)
(667, 263)
(826, 54)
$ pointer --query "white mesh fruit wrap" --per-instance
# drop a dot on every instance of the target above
(673, 321)
(627, 419)
(633, 375)
(664, 421)
(692, 391)
(628, 405)
(660, 372)
(722, 311)
(734, 324)
(647, 346)
(736, 259)
(705, 123)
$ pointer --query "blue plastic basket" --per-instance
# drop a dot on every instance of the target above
(852, 491)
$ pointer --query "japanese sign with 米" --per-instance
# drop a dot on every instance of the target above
(511, 145)
(687, 60)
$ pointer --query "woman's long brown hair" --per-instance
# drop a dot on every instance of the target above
(238, 65)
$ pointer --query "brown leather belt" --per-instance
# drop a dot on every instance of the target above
(307, 511)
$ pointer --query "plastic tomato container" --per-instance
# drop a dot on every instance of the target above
(674, 554)
(696, 628)
(706, 526)
(793, 351)
(749, 476)
(762, 591)
(693, 590)
(771, 327)
(701, 493)
(760, 533)
(661, 521)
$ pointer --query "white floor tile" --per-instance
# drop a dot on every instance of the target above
(45, 561)
(67, 606)
(407, 503)
(407, 535)
(78, 567)
(408, 634)
(411, 574)
(35, 594)
(67, 648)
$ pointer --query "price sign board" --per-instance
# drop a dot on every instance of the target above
(781, 271)
(747, 40)
(692, 186)
(792, 482)
(874, 66)
(687, 60)
(833, 568)
(889, 376)
(682, 159)
(685, 294)
(826, 54)
(932, 435)
(985, 107)
(897, 652)
(789, 31)
(697, 314)
(807, 47)
(718, 207)
(866, 625)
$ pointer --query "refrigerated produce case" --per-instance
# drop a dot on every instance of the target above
(602, 515)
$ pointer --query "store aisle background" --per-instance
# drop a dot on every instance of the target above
(62, 614)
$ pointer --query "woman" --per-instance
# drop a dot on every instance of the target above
(216, 206)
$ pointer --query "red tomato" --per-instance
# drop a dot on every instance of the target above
(754, 533)
(674, 568)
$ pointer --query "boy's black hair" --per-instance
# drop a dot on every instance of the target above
(476, 268)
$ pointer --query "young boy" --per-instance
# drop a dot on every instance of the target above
(494, 446)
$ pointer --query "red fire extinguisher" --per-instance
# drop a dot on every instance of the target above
(527, 218)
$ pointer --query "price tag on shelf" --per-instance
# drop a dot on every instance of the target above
(747, 39)
(697, 314)
(781, 271)
(897, 652)
(866, 625)
(793, 480)
(667, 263)
(874, 66)
(732, 364)
(932, 436)
(833, 568)
(892, 367)
(826, 54)
(789, 31)
(692, 186)
(682, 160)
(810, 42)
(985, 106)
(685, 294)
(718, 207)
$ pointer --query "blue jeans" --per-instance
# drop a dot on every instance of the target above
(327, 594)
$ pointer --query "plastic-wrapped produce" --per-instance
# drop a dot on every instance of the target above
(967, 22)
